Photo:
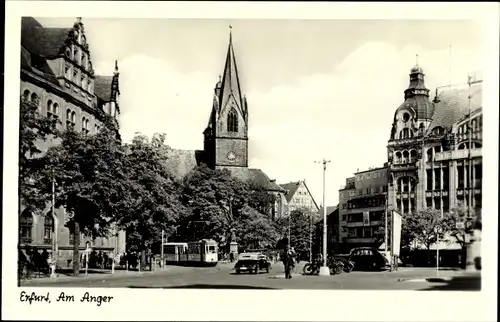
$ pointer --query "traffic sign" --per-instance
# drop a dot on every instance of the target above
(460, 225)
(438, 229)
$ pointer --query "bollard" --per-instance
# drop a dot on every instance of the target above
(53, 270)
(113, 267)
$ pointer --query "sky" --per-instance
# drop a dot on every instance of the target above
(316, 89)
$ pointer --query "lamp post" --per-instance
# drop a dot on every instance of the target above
(53, 265)
(324, 270)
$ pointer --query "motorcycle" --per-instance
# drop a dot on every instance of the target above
(311, 268)
(336, 266)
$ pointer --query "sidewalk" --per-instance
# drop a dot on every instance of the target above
(96, 274)
(445, 277)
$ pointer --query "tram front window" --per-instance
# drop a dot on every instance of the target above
(211, 249)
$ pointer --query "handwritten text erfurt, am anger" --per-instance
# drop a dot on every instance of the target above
(41, 298)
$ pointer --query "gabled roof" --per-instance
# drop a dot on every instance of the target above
(256, 177)
(452, 105)
(103, 87)
(291, 187)
(45, 42)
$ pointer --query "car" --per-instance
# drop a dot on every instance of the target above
(252, 263)
(368, 258)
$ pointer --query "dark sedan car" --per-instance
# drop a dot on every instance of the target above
(368, 259)
(252, 263)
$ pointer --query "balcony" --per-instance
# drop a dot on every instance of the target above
(457, 154)
(405, 166)
(25, 240)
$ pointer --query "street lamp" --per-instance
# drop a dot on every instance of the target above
(324, 270)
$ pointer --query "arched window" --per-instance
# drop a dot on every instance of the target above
(413, 156)
(421, 128)
(232, 121)
(34, 98)
(85, 125)
(405, 133)
(406, 156)
(25, 227)
(26, 95)
(70, 119)
(52, 109)
(398, 157)
(430, 154)
(48, 228)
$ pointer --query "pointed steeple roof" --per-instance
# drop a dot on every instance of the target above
(230, 80)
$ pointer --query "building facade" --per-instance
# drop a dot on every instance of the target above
(362, 207)
(429, 163)
(298, 196)
(57, 73)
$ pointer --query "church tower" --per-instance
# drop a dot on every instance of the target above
(226, 136)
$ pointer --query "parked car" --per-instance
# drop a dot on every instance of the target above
(368, 258)
(252, 263)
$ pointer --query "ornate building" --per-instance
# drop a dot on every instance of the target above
(429, 160)
(430, 163)
(226, 137)
(57, 74)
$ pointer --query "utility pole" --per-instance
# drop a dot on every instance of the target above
(386, 228)
(55, 227)
(324, 270)
(162, 242)
(310, 237)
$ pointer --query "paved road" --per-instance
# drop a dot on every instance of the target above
(221, 277)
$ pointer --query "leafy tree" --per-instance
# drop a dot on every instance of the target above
(421, 226)
(216, 200)
(91, 181)
(261, 200)
(153, 202)
(300, 228)
(254, 229)
(34, 129)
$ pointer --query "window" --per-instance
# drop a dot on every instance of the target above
(84, 82)
(406, 133)
(26, 95)
(70, 119)
(48, 228)
(34, 98)
(25, 227)
(83, 40)
(76, 57)
(406, 117)
(67, 52)
(75, 76)
(85, 125)
(232, 121)
(52, 109)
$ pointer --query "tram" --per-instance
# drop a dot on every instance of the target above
(195, 253)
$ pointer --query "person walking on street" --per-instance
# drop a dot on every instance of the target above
(287, 259)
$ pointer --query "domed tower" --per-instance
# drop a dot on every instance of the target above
(404, 148)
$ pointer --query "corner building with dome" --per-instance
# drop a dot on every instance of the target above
(429, 161)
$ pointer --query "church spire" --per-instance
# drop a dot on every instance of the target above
(230, 87)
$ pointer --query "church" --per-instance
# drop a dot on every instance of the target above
(226, 137)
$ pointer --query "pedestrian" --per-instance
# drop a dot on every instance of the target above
(287, 262)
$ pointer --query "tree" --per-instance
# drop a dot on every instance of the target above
(255, 229)
(91, 181)
(153, 204)
(34, 128)
(299, 224)
(216, 200)
(261, 200)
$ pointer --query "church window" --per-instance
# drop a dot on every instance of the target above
(406, 117)
(232, 121)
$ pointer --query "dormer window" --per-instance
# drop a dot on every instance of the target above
(76, 57)
(67, 52)
(77, 36)
(84, 60)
